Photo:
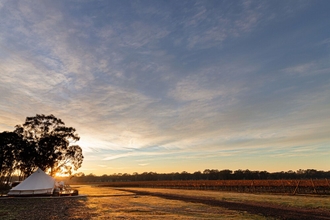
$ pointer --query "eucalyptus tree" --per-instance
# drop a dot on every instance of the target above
(10, 146)
(49, 145)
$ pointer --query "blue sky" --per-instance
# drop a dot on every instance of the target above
(171, 86)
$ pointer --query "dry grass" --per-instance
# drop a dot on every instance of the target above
(129, 206)
(307, 201)
(108, 203)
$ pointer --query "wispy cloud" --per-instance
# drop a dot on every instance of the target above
(183, 80)
(143, 164)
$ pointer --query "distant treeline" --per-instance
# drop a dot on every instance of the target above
(208, 174)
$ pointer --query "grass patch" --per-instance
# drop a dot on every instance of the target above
(314, 202)
(108, 203)
(149, 207)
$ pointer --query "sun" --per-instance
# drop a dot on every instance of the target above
(61, 173)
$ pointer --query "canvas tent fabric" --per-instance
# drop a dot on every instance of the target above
(39, 183)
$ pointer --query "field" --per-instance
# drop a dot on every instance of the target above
(305, 186)
(151, 203)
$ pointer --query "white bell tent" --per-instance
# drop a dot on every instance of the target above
(39, 183)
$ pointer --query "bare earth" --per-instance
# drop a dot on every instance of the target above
(139, 203)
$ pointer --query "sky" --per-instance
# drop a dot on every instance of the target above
(172, 86)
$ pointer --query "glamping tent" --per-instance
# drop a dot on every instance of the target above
(39, 183)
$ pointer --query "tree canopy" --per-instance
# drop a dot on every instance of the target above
(10, 146)
(44, 142)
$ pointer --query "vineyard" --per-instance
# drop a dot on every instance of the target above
(318, 186)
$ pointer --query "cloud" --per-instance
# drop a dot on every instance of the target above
(164, 80)
(135, 35)
(325, 42)
(135, 153)
(309, 69)
(201, 35)
(143, 164)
